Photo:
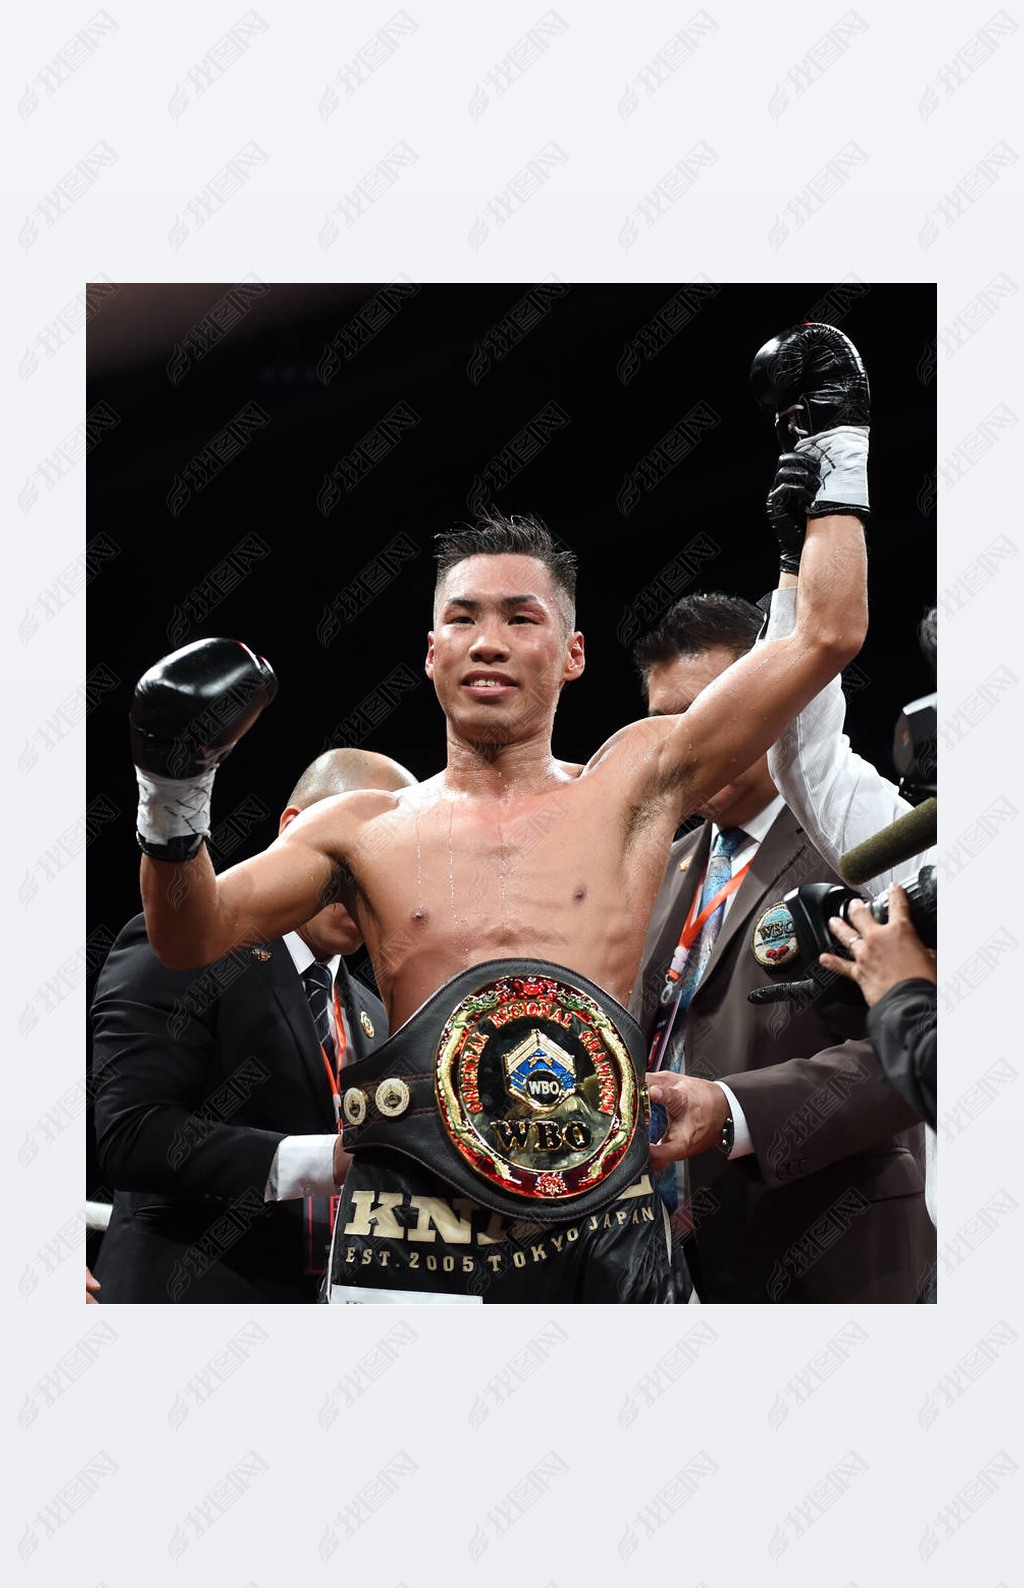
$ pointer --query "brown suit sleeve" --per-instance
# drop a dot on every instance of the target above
(805, 1114)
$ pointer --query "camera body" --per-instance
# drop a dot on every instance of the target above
(813, 905)
(837, 1000)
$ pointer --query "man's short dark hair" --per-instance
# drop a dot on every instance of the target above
(520, 536)
(698, 623)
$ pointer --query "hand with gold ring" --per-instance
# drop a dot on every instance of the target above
(880, 956)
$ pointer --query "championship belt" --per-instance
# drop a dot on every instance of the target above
(519, 1083)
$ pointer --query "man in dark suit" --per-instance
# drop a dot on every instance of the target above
(795, 1185)
(216, 1112)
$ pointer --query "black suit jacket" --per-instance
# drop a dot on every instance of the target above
(830, 1205)
(198, 1076)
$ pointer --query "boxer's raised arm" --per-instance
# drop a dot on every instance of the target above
(188, 713)
(811, 382)
(193, 917)
(736, 718)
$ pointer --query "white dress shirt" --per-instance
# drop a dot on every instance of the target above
(838, 798)
(303, 1166)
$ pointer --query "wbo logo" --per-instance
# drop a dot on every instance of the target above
(540, 1072)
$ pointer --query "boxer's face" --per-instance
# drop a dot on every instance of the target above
(672, 689)
(500, 650)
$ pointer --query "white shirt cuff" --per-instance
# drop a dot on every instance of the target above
(742, 1146)
(303, 1166)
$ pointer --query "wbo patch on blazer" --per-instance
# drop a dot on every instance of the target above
(774, 941)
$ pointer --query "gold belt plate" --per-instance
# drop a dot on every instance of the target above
(535, 1087)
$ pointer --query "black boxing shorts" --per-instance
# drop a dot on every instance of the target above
(500, 1152)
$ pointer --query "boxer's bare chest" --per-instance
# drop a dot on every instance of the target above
(452, 880)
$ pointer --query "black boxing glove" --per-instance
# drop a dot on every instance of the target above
(188, 714)
(811, 383)
(794, 488)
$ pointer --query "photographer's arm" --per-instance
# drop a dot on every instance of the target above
(896, 974)
(902, 1026)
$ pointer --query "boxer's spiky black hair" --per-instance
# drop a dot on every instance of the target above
(518, 535)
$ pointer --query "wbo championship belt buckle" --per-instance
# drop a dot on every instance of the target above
(535, 1087)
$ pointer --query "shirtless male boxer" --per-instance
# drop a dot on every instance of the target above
(500, 1135)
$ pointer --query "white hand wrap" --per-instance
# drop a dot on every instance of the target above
(844, 468)
(174, 807)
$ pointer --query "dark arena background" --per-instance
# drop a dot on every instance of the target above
(272, 463)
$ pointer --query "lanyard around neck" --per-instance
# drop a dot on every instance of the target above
(693, 923)
(334, 1072)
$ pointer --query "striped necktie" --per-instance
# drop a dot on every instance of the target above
(672, 1180)
(319, 985)
(718, 873)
